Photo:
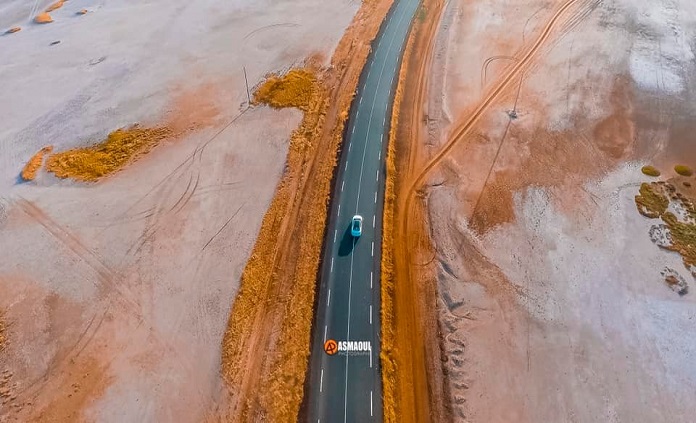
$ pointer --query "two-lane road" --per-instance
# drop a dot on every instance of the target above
(345, 386)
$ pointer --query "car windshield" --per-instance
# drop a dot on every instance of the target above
(356, 224)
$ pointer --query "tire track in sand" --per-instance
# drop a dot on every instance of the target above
(463, 129)
(404, 209)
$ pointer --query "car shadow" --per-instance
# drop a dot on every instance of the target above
(347, 242)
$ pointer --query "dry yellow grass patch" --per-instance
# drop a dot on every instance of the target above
(294, 89)
(54, 6)
(43, 18)
(388, 346)
(34, 164)
(683, 170)
(120, 148)
(652, 201)
(650, 171)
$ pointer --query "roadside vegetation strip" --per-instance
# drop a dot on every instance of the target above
(258, 277)
(412, 377)
(120, 148)
(267, 342)
(388, 339)
(34, 164)
(408, 242)
(286, 379)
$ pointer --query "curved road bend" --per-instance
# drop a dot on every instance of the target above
(346, 386)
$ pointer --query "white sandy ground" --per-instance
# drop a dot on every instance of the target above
(567, 318)
(135, 275)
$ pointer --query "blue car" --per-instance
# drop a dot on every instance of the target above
(356, 226)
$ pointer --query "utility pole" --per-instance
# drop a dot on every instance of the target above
(246, 81)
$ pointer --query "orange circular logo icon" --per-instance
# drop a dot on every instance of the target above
(331, 347)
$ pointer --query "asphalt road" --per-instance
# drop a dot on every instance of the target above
(346, 386)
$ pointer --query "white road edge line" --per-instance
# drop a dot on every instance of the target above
(328, 299)
(370, 403)
(373, 221)
(339, 210)
(370, 313)
(343, 184)
(371, 274)
(350, 283)
(379, 158)
(373, 248)
(353, 131)
(377, 175)
(332, 259)
(350, 293)
(326, 327)
(335, 234)
(321, 381)
(369, 122)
